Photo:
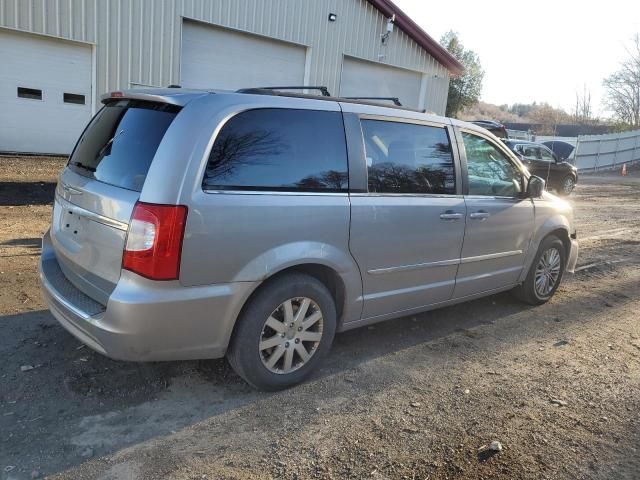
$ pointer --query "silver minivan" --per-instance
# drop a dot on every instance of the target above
(256, 224)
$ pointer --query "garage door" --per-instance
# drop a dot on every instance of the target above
(369, 79)
(45, 93)
(214, 57)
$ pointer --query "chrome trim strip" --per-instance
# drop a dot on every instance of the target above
(404, 291)
(443, 263)
(490, 256)
(407, 195)
(70, 190)
(109, 222)
(403, 268)
(276, 192)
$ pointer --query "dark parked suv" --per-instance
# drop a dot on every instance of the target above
(498, 129)
(561, 176)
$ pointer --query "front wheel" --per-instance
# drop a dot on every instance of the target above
(545, 273)
(567, 186)
(283, 332)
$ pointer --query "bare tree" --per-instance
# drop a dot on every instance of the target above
(623, 88)
(582, 112)
(547, 118)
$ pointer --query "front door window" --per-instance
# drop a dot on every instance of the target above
(490, 172)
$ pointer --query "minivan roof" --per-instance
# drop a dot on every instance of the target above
(182, 96)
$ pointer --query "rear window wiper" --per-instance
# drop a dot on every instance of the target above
(106, 149)
(82, 165)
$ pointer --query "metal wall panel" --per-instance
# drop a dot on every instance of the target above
(210, 57)
(389, 81)
(137, 42)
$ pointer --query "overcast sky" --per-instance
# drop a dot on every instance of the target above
(542, 50)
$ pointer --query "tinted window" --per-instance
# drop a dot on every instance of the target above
(279, 149)
(408, 158)
(120, 142)
(546, 155)
(73, 98)
(32, 93)
(530, 152)
(490, 171)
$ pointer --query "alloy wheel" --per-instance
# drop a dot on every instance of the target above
(291, 335)
(547, 272)
(567, 185)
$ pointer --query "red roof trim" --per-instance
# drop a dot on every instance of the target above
(422, 38)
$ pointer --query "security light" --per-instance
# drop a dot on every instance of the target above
(389, 29)
(333, 17)
(390, 22)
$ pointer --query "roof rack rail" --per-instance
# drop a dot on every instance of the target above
(321, 89)
(395, 100)
(373, 101)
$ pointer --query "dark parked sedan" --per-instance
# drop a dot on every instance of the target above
(560, 176)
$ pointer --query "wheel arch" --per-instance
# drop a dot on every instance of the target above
(563, 235)
(325, 274)
(557, 226)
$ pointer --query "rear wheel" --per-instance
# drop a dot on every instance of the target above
(284, 332)
(567, 186)
(545, 273)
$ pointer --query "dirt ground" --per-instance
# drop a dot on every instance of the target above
(416, 398)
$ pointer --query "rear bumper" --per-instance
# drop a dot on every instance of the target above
(573, 256)
(145, 320)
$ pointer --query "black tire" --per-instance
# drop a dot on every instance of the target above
(527, 291)
(244, 353)
(566, 186)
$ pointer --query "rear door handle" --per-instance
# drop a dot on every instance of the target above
(480, 215)
(450, 215)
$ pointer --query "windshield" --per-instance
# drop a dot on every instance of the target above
(119, 144)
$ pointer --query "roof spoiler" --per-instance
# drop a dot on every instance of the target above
(172, 98)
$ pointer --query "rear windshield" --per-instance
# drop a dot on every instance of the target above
(120, 142)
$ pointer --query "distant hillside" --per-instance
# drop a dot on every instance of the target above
(488, 111)
(540, 118)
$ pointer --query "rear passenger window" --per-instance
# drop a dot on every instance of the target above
(279, 150)
(408, 158)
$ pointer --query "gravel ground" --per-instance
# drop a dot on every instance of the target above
(420, 397)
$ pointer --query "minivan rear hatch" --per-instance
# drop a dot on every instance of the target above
(98, 189)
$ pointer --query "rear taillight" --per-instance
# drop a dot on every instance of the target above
(154, 241)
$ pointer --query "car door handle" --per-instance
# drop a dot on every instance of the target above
(480, 215)
(450, 215)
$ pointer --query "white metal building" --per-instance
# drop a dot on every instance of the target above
(58, 56)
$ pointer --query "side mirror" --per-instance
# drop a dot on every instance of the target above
(535, 187)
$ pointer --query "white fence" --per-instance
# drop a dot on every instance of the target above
(594, 152)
